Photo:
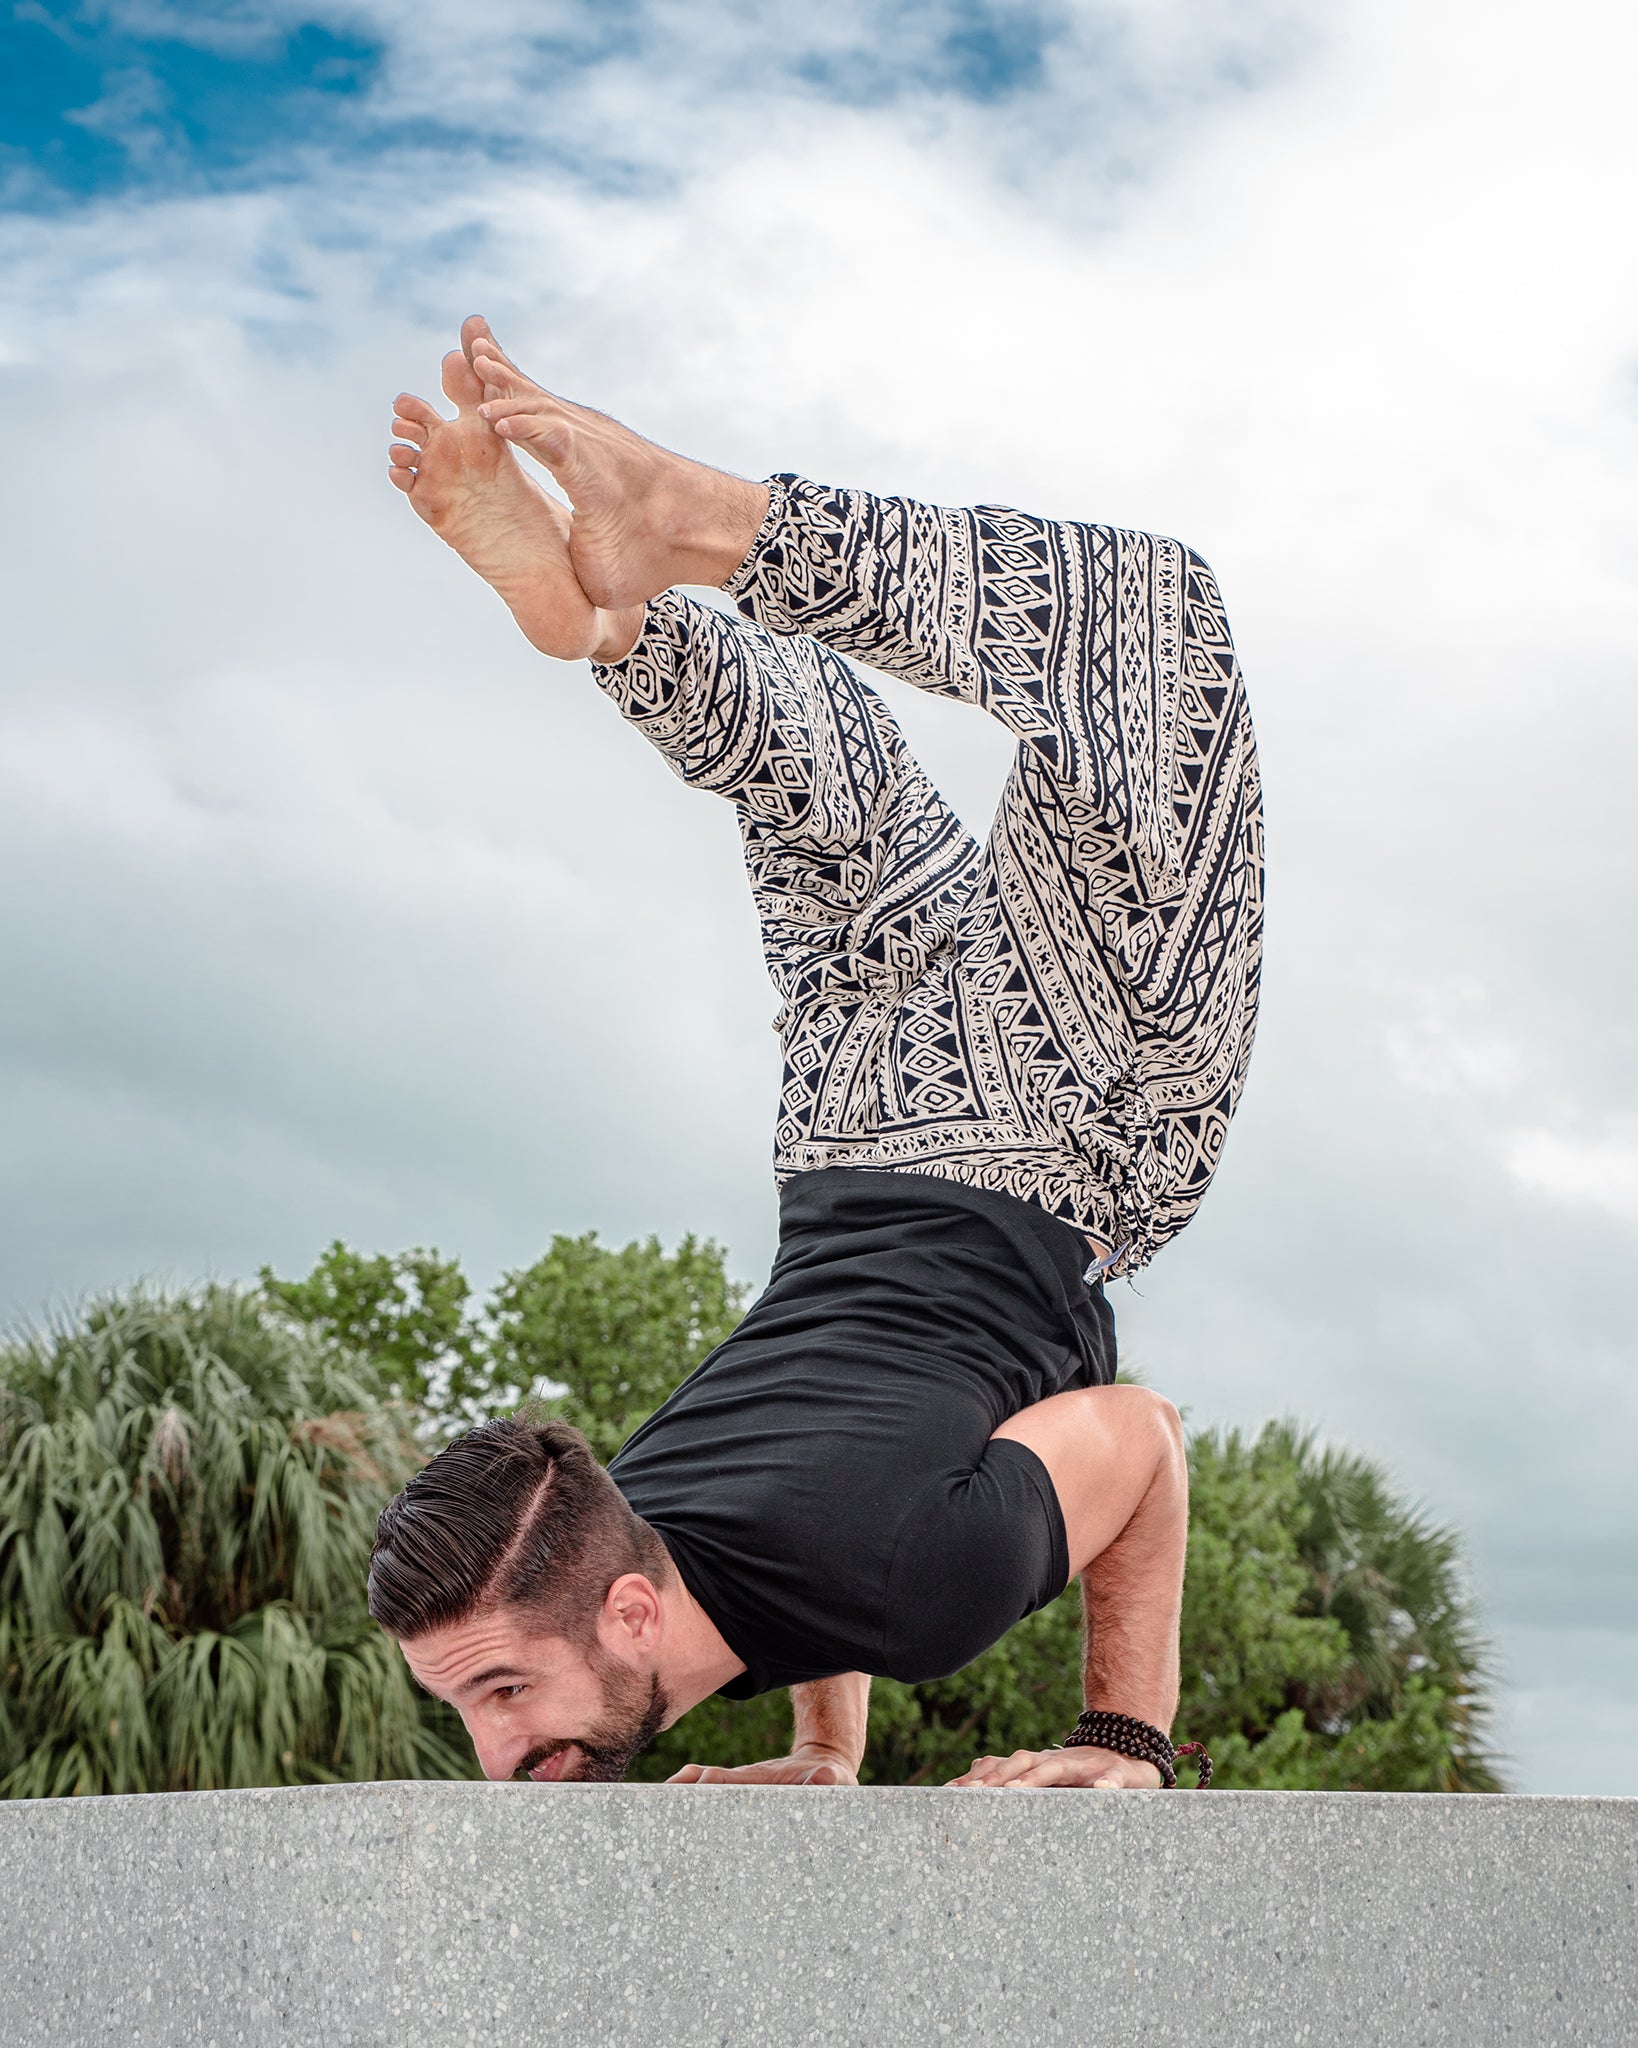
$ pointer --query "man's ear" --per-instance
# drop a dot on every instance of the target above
(633, 1616)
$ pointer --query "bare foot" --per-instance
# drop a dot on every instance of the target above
(644, 518)
(468, 488)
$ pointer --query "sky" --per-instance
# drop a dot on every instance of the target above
(328, 908)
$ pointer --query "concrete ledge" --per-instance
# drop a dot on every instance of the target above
(410, 1914)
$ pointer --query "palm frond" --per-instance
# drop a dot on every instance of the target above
(189, 1483)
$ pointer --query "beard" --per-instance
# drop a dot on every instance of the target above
(634, 1712)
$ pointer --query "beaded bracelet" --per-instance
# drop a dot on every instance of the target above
(1127, 1736)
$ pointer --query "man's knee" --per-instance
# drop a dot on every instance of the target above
(1153, 1418)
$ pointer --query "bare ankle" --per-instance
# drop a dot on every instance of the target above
(618, 632)
(713, 522)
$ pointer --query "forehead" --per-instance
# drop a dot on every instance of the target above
(444, 1658)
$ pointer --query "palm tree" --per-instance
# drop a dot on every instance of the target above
(189, 1483)
(1395, 1580)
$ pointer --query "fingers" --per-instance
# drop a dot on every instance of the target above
(1038, 1770)
(830, 1774)
(776, 1771)
(998, 1770)
(1049, 1771)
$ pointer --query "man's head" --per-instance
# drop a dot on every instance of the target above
(526, 1593)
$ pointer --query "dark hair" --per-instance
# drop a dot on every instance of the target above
(513, 1514)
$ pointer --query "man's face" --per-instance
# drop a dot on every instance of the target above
(537, 1705)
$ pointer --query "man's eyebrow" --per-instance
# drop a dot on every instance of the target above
(483, 1678)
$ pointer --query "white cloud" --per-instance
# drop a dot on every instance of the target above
(1586, 1173)
(1446, 1047)
(327, 907)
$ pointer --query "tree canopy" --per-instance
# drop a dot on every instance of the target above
(189, 1484)
(188, 1490)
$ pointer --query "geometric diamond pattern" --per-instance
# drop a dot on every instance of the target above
(1064, 1014)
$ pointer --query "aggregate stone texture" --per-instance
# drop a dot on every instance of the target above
(337, 1916)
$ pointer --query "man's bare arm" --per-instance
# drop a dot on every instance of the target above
(1116, 1460)
(827, 1746)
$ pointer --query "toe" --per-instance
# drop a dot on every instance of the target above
(403, 478)
(410, 430)
(502, 379)
(406, 406)
(477, 340)
(534, 425)
(461, 382)
(401, 457)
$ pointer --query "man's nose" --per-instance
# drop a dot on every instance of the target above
(497, 1757)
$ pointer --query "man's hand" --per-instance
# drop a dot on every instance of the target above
(801, 1767)
(827, 1748)
(1096, 1770)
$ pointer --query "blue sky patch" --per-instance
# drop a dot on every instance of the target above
(139, 98)
(86, 109)
(977, 50)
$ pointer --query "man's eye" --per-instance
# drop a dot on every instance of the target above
(507, 1692)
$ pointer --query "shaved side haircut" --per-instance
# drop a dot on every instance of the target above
(514, 1514)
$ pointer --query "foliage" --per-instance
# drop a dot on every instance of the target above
(406, 1314)
(1385, 1672)
(616, 1329)
(188, 1486)
(1328, 1639)
(602, 1334)
(188, 1492)
(1395, 1581)
(1245, 1631)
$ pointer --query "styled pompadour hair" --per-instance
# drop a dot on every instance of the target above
(513, 1514)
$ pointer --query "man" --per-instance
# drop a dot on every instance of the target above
(1009, 1070)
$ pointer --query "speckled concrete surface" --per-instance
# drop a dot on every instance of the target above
(411, 1914)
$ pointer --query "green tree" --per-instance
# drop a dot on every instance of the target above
(1247, 1634)
(1418, 1658)
(188, 1492)
(1329, 1639)
(407, 1313)
(609, 1333)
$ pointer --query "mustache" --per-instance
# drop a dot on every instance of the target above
(602, 1762)
(537, 1757)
